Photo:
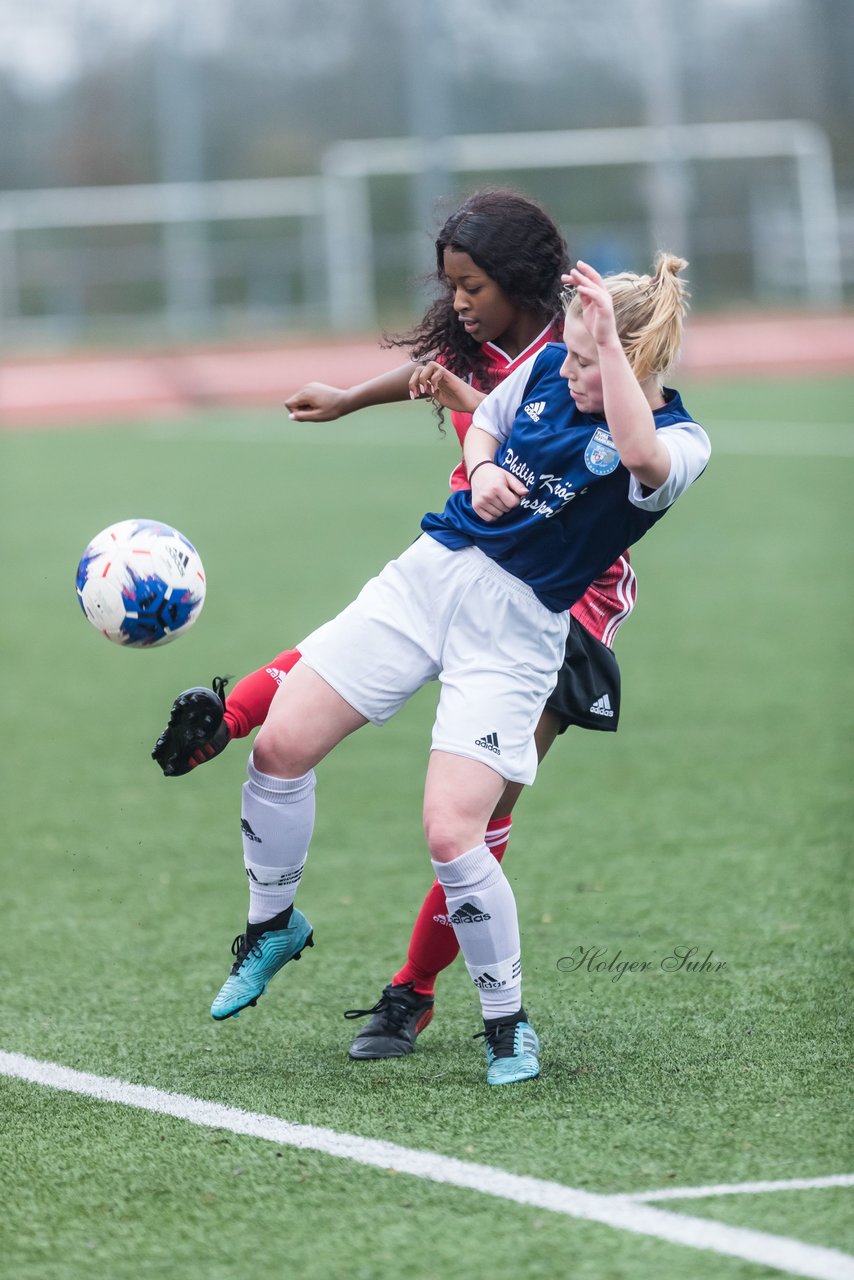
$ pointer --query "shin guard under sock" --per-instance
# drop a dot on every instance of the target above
(277, 821)
(433, 944)
(482, 910)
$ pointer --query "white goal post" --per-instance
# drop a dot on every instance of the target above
(337, 203)
(172, 206)
(348, 165)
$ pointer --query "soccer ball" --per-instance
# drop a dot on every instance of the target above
(141, 583)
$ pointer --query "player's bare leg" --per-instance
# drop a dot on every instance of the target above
(544, 737)
(406, 1004)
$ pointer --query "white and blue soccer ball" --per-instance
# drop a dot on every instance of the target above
(141, 583)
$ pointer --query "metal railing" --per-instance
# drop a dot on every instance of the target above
(192, 238)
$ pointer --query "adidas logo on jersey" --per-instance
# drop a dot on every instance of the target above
(490, 741)
(535, 409)
(602, 706)
(469, 914)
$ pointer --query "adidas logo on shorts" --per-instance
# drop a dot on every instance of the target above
(490, 741)
(602, 706)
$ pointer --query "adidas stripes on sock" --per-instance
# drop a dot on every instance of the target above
(249, 701)
(483, 912)
(433, 944)
(277, 820)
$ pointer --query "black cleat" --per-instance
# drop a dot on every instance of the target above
(196, 731)
(399, 1015)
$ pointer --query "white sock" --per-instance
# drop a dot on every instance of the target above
(277, 819)
(482, 910)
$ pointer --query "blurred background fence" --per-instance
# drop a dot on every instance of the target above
(217, 169)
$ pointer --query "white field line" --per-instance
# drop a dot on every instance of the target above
(782, 439)
(758, 439)
(789, 1256)
(740, 1188)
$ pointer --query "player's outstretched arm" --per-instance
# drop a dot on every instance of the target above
(318, 402)
(437, 383)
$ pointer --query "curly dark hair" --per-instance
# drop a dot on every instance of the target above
(519, 246)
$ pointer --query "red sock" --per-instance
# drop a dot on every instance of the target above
(433, 944)
(247, 704)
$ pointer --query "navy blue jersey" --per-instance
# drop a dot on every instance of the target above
(583, 507)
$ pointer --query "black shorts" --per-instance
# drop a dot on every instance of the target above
(587, 692)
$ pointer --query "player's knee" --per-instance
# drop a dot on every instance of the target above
(279, 754)
(446, 838)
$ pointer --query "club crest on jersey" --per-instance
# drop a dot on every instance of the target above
(601, 456)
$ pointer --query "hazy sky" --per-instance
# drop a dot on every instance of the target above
(44, 42)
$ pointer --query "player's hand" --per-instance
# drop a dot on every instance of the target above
(495, 491)
(434, 381)
(597, 306)
(316, 402)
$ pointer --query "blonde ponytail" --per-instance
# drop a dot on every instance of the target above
(649, 311)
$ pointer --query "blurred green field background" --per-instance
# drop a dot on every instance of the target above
(718, 817)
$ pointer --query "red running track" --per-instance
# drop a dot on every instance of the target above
(50, 391)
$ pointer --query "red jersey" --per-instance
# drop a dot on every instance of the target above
(609, 599)
(499, 365)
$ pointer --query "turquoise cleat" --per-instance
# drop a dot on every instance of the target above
(512, 1050)
(259, 954)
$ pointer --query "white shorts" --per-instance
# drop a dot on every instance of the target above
(458, 617)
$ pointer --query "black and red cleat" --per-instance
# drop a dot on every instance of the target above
(196, 731)
(399, 1015)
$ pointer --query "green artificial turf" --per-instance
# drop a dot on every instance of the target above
(717, 818)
